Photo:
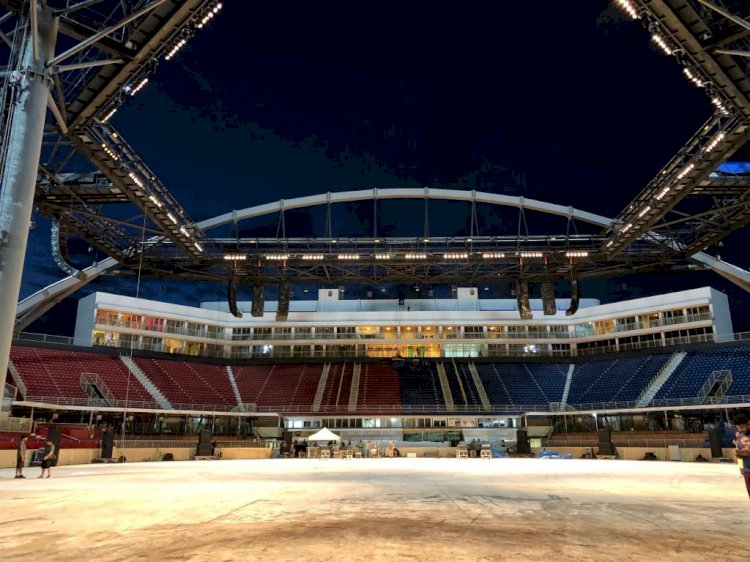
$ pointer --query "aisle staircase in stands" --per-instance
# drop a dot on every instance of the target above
(146, 382)
(450, 405)
(354, 392)
(318, 400)
(480, 387)
(235, 389)
(568, 380)
(661, 377)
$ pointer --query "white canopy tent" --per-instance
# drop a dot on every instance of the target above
(324, 434)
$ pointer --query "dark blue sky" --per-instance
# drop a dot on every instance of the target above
(566, 102)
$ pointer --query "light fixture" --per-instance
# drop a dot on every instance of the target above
(493, 255)
(171, 217)
(109, 115)
(659, 40)
(277, 257)
(531, 254)
(184, 231)
(312, 257)
(139, 86)
(720, 106)
(198, 246)
(692, 77)
(176, 47)
(645, 210)
(627, 227)
(628, 7)
(155, 201)
(348, 257)
(610, 243)
(415, 256)
(685, 171)
(385, 256)
(714, 142)
(136, 180)
(456, 256)
(109, 152)
(235, 257)
(662, 193)
(577, 254)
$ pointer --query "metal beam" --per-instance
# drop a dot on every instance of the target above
(104, 33)
(726, 13)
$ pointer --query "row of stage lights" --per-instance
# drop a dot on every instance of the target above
(665, 45)
(695, 77)
(137, 84)
(408, 256)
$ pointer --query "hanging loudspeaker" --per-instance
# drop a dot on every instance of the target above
(282, 311)
(575, 295)
(232, 298)
(522, 296)
(256, 311)
(548, 298)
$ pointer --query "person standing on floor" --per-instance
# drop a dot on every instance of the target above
(48, 459)
(742, 423)
(21, 456)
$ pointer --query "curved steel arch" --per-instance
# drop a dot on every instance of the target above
(35, 305)
(402, 193)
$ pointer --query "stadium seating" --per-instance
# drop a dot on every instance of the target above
(278, 385)
(467, 382)
(378, 386)
(420, 385)
(697, 366)
(338, 385)
(493, 384)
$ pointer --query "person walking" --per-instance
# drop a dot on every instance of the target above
(21, 456)
(48, 459)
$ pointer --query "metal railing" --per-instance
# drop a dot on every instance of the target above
(130, 404)
(656, 443)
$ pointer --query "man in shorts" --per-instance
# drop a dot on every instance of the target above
(21, 456)
(48, 460)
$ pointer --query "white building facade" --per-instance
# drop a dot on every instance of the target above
(464, 326)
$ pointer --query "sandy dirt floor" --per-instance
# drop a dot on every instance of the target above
(387, 509)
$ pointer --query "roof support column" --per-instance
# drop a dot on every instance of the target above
(26, 123)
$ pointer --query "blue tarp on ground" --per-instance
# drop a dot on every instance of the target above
(553, 455)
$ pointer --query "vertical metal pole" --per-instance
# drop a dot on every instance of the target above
(19, 175)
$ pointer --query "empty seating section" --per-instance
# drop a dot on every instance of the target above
(250, 380)
(459, 394)
(697, 366)
(379, 385)
(215, 377)
(493, 384)
(639, 379)
(550, 377)
(467, 382)
(278, 385)
(57, 373)
(420, 386)
(520, 384)
(338, 385)
(48, 372)
(177, 383)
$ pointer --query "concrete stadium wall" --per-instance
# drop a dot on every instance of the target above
(637, 453)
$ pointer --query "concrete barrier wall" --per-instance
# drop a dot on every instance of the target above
(637, 453)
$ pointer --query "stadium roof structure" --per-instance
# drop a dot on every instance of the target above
(106, 50)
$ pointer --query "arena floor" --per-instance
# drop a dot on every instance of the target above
(387, 509)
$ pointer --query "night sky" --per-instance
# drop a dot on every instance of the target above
(567, 102)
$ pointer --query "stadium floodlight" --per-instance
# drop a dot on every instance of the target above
(627, 227)
(493, 255)
(685, 171)
(109, 115)
(184, 231)
(714, 142)
(235, 257)
(139, 86)
(577, 254)
(662, 193)
(609, 244)
(171, 217)
(628, 7)
(531, 254)
(415, 256)
(385, 256)
(645, 210)
(692, 77)
(312, 257)
(109, 152)
(277, 257)
(155, 201)
(198, 246)
(136, 180)
(456, 256)
(348, 257)
(176, 47)
(662, 43)
(719, 105)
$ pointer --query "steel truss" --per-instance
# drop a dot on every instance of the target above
(687, 206)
